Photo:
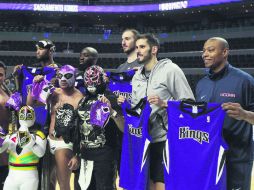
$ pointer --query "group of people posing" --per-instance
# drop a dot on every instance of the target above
(84, 113)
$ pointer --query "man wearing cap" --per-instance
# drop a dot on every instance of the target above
(45, 68)
(44, 53)
(25, 76)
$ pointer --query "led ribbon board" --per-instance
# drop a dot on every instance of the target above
(112, 8)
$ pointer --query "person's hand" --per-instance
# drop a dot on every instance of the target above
(135, 68)
(106, 79)
(120, 100)
(156, 100)
(73, 163)
(16, 68)
(38, 78)
(105, 100)
(234, 110)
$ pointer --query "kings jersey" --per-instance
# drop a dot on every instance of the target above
(134, 174)
(194, 154)
(120, 83)
(26, 76)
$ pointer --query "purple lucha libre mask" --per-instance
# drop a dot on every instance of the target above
(99, 114)
(41, 90)
(14, 102)
(66, 75)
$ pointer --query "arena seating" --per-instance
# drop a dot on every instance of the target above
(243, 61)
(97, 29)
(235, 43)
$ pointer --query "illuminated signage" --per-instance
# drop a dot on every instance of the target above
(173, 6)
(55, 7)
(113, 8)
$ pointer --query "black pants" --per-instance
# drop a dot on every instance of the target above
(119, 149)
(156, 162)
(76, 177)
(45, 169)
(103, 176)
(3, 174)
(239, 175)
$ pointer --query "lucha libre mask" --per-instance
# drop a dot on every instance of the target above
(67, 74)
(94, 79)
(26, 116)
(99, 114)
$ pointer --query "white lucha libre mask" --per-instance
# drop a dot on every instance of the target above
(67, 75)
(26, 116)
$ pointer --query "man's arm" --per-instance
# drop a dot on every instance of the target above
(178, 84)
(236, 111)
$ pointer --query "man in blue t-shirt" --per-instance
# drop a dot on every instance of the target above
(225, 83)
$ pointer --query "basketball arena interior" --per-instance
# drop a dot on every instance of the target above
(181, 26)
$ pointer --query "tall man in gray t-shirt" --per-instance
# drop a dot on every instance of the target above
(129, 37)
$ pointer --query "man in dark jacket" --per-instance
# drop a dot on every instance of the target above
(225, 83)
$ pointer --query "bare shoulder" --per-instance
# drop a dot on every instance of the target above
(78, 93)
(55, 96)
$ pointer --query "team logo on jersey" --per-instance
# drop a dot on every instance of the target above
(181, 116)
(135, 131)
(228, 95)
(126, 95)
(199, 136)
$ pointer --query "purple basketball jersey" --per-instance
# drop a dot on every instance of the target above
(26, 76)
(194, 155)
(134, 173)
(120, 83)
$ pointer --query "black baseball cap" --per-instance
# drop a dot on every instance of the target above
(45, 44)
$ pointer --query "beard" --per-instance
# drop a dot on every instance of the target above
(44, 58)
(146, 58)
(130, 50)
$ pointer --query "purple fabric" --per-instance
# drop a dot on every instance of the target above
(67, 68)
(99, 114)
(14, 101)
(2, 134)
(41, 90)
(1, 141)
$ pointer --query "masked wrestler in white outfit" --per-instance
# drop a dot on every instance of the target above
(25, 148)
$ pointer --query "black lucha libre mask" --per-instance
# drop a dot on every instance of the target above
(94, 80)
